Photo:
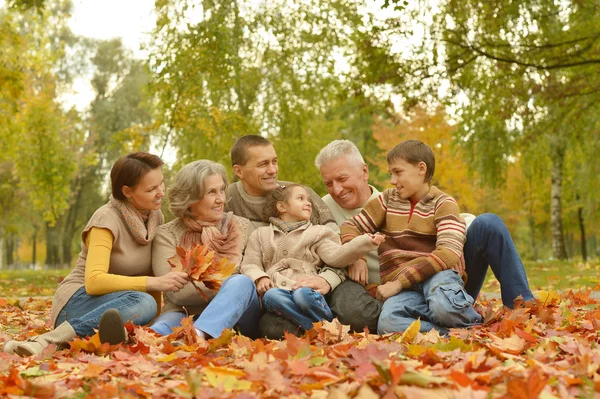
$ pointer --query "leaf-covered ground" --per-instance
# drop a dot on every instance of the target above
(548, 350)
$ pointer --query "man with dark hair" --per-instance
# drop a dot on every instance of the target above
(254, 162)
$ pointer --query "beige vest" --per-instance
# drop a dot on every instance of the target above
(127, 258)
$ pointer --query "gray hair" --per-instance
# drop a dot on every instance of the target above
(336, 149)
(189, 186)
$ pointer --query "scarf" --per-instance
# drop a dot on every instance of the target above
(141, 224)
(286, 227)
(224, 238)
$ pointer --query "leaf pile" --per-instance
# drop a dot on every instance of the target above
(202, 266)
(549, 350)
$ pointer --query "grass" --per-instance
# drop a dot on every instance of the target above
(556, 275)
(16, 283)
(548, 275)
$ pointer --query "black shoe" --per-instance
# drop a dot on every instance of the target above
(111, 328)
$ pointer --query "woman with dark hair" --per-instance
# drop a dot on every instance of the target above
(197, 199)
(112, 280)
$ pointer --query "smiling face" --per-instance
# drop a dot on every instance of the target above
(346, 182)
(148, 193)
(210, 207)
(259, 174)
(297, 207)
(409, 179)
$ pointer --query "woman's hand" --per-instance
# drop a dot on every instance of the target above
(377, 238)
(172, 281)
(263, 285)
(388, 290)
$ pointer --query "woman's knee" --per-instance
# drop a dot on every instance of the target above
(141, 306)
(239, 282)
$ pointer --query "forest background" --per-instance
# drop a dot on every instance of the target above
(506, 93)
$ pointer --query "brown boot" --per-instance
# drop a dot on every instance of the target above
(36, 345)
(111, 328)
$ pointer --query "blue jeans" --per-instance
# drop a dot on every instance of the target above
(490, 243)
(236, 303)
(440, 301)
(84, 311)
(303, 306)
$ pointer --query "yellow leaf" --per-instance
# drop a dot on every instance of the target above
(548, 297)
(167, 358)
(226, 379)
(411, 332)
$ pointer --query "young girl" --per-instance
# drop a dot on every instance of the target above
(292, 247)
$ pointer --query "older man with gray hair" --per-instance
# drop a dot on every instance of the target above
(489, 244)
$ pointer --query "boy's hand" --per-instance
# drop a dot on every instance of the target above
(359, 272)
(377, 238)
(388, 290)
(263, 285)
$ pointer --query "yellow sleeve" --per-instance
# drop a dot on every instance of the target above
(97, 279)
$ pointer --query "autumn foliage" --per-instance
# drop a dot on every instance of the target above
(202, 267)
(549, 350)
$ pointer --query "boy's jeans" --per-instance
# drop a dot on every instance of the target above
(236, 303)
(84, 311)
(303, 306)
(441, 302)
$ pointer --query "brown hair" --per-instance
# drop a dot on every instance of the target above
(239, 153)
(414, 152)
(129, 170)
(281, 193)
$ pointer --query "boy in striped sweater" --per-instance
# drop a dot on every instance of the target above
(421, 261)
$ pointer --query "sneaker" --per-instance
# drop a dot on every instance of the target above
(111, 328)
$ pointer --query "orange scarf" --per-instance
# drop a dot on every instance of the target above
(224, 238)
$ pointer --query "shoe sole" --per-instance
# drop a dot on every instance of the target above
(23, 352)
(111, 328)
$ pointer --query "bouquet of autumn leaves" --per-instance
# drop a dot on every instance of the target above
(202, 267)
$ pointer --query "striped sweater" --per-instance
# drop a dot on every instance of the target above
(420, 241)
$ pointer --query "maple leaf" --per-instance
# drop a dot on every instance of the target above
(526, 388)
(514, 345)
(202, 266)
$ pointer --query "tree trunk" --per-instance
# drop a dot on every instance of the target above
(531, 218)
(557, 155)
(10, 243)
(34, 247)
(52, 247)
(531, 223)
(582, 230)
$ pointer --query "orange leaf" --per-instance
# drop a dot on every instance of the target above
(526, 388)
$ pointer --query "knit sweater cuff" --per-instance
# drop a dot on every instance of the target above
(332, 278)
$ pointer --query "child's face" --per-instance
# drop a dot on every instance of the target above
(297, 207)
(408, 179)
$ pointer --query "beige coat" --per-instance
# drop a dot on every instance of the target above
(285, 257)
(164, 247)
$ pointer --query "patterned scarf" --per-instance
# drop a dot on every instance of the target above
(224, 237)
(286, 227)
(141, 224)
